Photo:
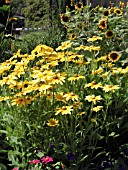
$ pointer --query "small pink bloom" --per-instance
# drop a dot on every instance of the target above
(47, 159)
(15, 169)
(35, 161)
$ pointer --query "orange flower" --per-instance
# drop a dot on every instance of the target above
(7, 1)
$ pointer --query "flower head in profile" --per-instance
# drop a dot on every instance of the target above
(79, 6)
(72, 36)
(76, 77)
(47, 159)
(109, 34)
(94, 38)
(35, 161)
(64, 45)
(93, 98)
(52, 122)
(102, 24)
(114, 56)
(97, 108)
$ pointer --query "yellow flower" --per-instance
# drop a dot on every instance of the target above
(102, 24)
(94, 38)
(13, 19)
(64, 110)
(81, 113)
(93, 98)
(109, 34)
(64, 45)
(52, 122)
(64, 18)
(60, 97)
(121, 4)
(72, 36)
(93, 85)
(106, 13)
(77, 105)
(112, 88)
(58, 78)
(79, 6)
(7, 1)
(97, 108)
(22, 101)
(114, 56)
(98, 71)
(117, 11)
(71, 96)
(76, 77)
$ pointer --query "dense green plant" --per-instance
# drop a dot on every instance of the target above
(66, 107)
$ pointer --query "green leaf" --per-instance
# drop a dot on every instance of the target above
(40, 154)
(5, 7)
(112, 134)
(3, 167)
(3, 131)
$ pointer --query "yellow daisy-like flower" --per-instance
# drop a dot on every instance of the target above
(102, 24)
(117, 11)
(64, 18)
(93, 85)
(72, 36)
(71, 96)
(60, 97)
(22, 101)
(112, 88)
(94, 38)
(97, 108)
(109, 34)
(114, 56)
(106, 13)
(93, 98)
(64, 110)
(76, 77)
(98, 71)
(52, 122)
(121, 4)
(79, 6)
(64, 45)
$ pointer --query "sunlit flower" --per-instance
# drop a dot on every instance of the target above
(12, 19)
(22, 101)
(104, 75)
(64, 110)
(58, 78)
(98, 71)
(35, 161)
(64, 45)
(72, 36)
(114, 56)
(94, 38)
(76, 77)
(52, 122)
(60, 97)
(78, 6)
(77, 105)
(121, 4)
(71, 96)
(102, 24)
(93, 85)
(97, 108)
(117, 11)
(65, 18)
(106, 12)
(93, 98)
(112, 88)
(7, 1)
(47, 159)
(109, 34)
(81, 113)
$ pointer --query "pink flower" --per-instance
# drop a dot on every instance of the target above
(15, 169)
(35, 161)
(47, 159)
